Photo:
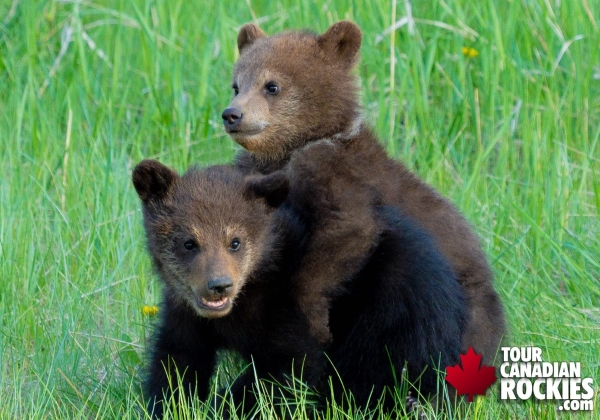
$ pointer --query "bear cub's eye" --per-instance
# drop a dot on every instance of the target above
(272, 88)
(190, 245)
(236, 89)
(235, 245)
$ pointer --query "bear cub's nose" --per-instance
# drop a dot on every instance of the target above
(232, 117)
(220, 285)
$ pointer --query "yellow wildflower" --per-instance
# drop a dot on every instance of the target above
(149, 310)
(470, 52)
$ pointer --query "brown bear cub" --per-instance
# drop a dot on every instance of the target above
(230, 251)
(224, 262)
(296, 88)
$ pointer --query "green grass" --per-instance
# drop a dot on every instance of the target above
(511, 136)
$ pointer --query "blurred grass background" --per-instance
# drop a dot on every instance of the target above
(496, 104)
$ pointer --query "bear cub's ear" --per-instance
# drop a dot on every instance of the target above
(153, 180)
(342, 41)
(248, 34)
(273, 188)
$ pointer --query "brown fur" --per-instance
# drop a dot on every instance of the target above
(177, 211)
(266, 117)
(317, 101)
(344, 229)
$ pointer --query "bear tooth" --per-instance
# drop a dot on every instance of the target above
(214, 303)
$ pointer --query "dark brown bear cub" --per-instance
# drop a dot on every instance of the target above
(224, 262)
(228, 250)
(296, 88)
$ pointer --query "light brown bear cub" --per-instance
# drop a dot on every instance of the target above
(296, 88)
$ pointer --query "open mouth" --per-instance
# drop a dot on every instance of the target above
(214, 305)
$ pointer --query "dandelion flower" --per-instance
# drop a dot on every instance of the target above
(149, 310)
(470, 52)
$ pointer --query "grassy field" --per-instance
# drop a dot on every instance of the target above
(495, 103)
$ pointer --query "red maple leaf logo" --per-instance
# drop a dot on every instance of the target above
(470, 379)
